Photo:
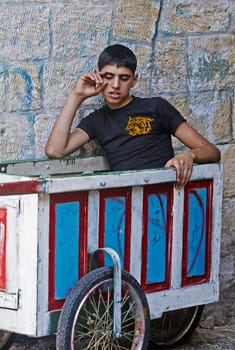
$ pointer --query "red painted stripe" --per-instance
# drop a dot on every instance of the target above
(3, 224)
(20, 187)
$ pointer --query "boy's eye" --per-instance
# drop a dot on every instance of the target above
(124, 77)
(108, 76)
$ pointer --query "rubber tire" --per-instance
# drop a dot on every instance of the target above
(162, 337)
(79, 294)
(6, 339)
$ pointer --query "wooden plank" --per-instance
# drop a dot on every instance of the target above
(99, 181)
(45, 167)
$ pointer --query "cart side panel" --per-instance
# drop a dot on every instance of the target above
(68, 244)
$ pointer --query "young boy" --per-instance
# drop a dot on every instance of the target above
(134, 132)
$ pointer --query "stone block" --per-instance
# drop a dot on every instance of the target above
(24, 32)
(233, 116)
(169, 71)
(2, 89)
(208, 113)
(143, 70)
(42, 126)
(211, 63)
(229, 170)
(24, 87)
(81, 30)
(16, 136)
(136, 21)
(58, 79)
(228, 231)
(232, 16)
(190, 16)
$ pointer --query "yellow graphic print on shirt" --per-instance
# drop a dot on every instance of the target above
(139, 125)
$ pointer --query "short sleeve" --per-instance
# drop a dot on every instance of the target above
(169, 115)
(88, 124)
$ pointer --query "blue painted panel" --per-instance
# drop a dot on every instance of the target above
(197, 233)
(157, 238)
(114, 230)
(66, 247)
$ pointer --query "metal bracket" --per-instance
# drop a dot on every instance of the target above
(9, 300)
(3, 168)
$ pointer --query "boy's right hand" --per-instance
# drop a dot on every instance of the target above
(89, 84)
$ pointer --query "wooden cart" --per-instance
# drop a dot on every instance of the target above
(54, 215)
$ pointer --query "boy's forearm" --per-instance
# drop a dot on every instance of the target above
(60, 133)
(205, 154)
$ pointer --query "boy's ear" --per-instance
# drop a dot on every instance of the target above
(135, 80)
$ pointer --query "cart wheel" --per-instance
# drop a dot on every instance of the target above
(6, 339)
(86, 320)
(174, 327)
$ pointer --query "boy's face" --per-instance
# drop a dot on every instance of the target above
(119, 81)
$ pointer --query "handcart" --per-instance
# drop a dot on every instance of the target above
(106, 260)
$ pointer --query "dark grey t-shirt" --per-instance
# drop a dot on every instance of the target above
(137, 136)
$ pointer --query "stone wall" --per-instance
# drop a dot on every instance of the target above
(186, 51)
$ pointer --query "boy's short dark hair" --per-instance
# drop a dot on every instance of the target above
(120, 55)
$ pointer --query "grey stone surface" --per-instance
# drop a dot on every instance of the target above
(216, 338)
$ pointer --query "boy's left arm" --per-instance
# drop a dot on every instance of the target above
(201, 151)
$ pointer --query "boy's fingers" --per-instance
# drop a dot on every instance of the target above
(183, 171)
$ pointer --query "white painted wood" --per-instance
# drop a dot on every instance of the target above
(5, 178)
(216, 228)
(136, 232)
(93, 220)
(43, 265)
(174, 299)
(116, 179)
(177, 239)
(45, 167)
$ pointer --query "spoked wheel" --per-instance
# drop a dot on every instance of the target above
(174, 327)
(86, 320)
(6, 339)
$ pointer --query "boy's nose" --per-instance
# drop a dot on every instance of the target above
(116, 82)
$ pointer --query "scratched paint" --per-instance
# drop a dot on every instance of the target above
(114, 232)
(197, 233)
(211, 65)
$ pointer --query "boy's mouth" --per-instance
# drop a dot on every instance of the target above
(114, 94)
